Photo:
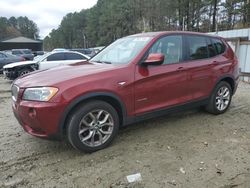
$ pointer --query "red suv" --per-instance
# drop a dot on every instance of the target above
(135, 78)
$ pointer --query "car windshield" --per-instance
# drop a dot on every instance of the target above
(122, 51)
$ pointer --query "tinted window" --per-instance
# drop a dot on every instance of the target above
(73, 56)
(56, 57)
(211, 48)
(171, 47)
(219, 45)
(27, 51)
(198, 48)
(16, 52)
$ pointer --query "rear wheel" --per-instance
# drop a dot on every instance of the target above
(220, 99)
(92, 126)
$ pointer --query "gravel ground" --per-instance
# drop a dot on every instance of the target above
(188, 149)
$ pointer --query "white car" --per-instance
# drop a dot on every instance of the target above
(48, 60)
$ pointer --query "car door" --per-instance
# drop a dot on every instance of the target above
(53, 60)
(199, 65)
(166, 85)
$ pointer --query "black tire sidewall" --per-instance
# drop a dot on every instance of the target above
(73, 125)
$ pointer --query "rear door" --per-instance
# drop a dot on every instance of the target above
(199, 51)
(166, 85)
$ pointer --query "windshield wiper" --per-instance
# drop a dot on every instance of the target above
(103, 62)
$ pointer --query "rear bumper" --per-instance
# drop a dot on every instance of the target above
(40, 119)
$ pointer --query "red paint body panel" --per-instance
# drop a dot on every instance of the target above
(146, 88)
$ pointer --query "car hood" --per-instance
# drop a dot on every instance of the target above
(12, 65)
(57, 75)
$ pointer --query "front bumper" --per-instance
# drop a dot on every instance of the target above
(40, 119)
(10, 74)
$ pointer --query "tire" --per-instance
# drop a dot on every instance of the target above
(87, 129)
(23, 72)
(220, 99)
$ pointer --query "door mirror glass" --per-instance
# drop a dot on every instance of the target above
(154, 59)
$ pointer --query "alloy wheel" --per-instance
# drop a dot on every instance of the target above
(95, 128)
(222, 98)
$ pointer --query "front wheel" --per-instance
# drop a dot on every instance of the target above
(92, 126)
(220, 99)
(23, 72)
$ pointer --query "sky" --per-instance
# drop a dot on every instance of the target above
(47, 14)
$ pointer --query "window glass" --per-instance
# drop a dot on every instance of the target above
(122, 51)
(16, 52)
(198, 48)
(56, 57)
(27, 51)
(170, 47)
(73, 56)
(211, 48)
(220, 47)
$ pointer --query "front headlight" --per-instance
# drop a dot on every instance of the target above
(39, 93)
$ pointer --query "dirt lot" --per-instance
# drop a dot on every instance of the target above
(211, 151)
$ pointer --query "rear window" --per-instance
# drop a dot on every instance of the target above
(56, 57)
(219, 46)
(198, 48)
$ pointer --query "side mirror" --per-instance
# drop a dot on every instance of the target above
(154, 59)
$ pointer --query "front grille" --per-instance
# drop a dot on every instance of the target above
(14, 92)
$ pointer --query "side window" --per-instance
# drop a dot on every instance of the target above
(198, 48)
(211, 48)
(27, 51)
(73, 56)
(56, 57)
(219, 45)
(171, 47)
(16, 52)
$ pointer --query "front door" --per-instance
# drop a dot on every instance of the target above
(166, 85)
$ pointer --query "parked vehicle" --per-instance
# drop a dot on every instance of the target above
(6, 58)
(49, 60)
(25, 53)
(97, 49)
(59, 50)
(38, 53)
(87, 52)
(135, 78)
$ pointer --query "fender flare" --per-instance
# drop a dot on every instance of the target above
(84, 97)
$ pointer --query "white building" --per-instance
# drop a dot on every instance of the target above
(239, 40)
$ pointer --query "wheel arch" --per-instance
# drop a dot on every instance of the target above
(110, 98)
(229, 79)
